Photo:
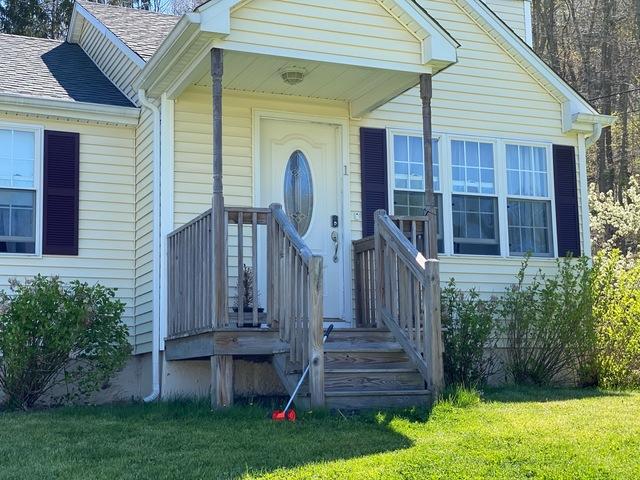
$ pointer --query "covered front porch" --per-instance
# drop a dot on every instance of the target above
(265, 279)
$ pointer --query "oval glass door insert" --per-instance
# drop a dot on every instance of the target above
(298, 191)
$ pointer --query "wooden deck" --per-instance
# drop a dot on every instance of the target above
(393, 358)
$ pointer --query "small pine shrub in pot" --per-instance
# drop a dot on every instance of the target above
(54, 334)
(470, 335)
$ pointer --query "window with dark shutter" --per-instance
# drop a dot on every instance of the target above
(566, 192)
(373, 164)
(61, 193)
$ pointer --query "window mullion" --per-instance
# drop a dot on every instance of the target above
(501, 190)
(446, 185)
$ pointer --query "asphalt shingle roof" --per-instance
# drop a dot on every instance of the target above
(143, 31)
(42, 68)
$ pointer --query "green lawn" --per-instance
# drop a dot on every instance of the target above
(511, 434)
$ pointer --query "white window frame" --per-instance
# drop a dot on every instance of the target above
(38, 132)
(496, 185)
(391, 174)
(549, 198)
(501, 191)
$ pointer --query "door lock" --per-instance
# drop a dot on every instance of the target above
(334, 221)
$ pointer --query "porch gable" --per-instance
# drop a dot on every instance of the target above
(387, 34)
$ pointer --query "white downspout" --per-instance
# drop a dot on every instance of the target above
(157, 232)
(595, 136)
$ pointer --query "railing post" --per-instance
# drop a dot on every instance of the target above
(432, 326)
(316, 348)
(378, 268)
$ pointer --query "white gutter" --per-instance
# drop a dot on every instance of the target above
(90, 112)
(157, 274)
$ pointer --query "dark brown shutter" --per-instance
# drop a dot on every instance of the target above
(61, 193)
(566, 190)
(373, 164)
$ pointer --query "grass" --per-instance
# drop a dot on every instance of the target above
(510, 434)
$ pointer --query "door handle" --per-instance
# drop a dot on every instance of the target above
(336, 244)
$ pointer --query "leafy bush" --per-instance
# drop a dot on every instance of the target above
(549, 323)
(616, 308)
(54, 334)
(470, 336)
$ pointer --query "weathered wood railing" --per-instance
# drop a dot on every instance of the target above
(295, 298)
(190, 282)
(408, 298)
(415, 230)
(189, 279)
(243, 224)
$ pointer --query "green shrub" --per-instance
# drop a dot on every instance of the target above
(549, 324)
(469, 336)
(616, 307)
(55, 334)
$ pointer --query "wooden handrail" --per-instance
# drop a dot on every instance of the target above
(407, 295)
(296, 297)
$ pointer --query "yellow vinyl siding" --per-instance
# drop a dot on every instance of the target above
(511, 12)
(144, 233)
(360, 29)
(487, 94)
(106, 217)
(110, 60)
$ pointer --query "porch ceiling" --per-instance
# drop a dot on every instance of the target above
(364, 89)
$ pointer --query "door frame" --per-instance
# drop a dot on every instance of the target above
(343, 182)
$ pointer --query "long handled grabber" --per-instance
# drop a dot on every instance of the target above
(289, 413)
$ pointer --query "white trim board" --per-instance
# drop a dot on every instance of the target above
(343, 171)
(102, 28)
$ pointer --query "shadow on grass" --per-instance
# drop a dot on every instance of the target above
(517, 394)
(187, 440)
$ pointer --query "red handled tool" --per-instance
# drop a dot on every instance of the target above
(289, 413)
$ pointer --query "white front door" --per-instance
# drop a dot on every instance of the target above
(299, 169)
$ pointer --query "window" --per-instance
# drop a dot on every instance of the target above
(474, 205)
(528, 202)
(409, 197)
(17, 190)
(298, 191)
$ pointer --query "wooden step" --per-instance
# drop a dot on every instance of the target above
(370, 399)
(360, 336)
(360, 347)
(379, 379)
(366, 359)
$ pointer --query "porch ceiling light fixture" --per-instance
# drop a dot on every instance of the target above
(292, 75)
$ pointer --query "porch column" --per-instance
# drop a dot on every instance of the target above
(426, 93)
(433, 270)
(219, 253)
(221, 365)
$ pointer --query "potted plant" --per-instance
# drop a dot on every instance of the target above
(248, 302)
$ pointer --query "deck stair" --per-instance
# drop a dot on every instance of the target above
(364, 368)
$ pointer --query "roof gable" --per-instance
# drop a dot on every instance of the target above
(141, 31)
(50, 69)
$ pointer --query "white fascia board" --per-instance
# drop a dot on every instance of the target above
(577, 104)
(113, 38)
(90, 112)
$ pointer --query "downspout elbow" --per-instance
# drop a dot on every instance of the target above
(155, 343)
(595, 136)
